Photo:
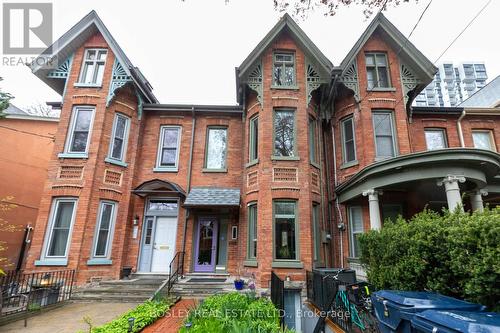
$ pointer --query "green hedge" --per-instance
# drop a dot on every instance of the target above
(234, 313)
(456, 254)
(144, 314)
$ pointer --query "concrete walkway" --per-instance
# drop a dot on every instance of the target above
(173, 319)
(69, 318)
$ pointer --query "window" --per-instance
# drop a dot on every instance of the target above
(377, 73)
(119, 137)
(348, 140)
(285, 230)
(313, 146)
(483, 139)
(252, 231)
(284, 133)
(383, 130)
(391, 211)
(435, 138)
(316, 231)
(254, 140)
(80, 129)
(61, 222)
(104, 230)
(284, 70)
(168, 150)
(93, 67)
(355, 229)
(216, 151)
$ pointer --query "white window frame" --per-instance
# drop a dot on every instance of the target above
(345, 162)
(111, 230)
(94, 62)
(352, 232)
(123, 153)
(440, 130)
(493, 146)
(50, 227)
(207, 148)
(160, 167)
(283, 64)
(393, 134)
(69, 138)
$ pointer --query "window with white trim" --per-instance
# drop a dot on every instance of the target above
(435, 138)
(355, 229)
(119, 137)
(383, 129)
(169, 146)
(483, 139)
(93, 65)
(348, 140)
(60, 225)
(104, 229)
(284, 69)
(216, 148)
(80, 130)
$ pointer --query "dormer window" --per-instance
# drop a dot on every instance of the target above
(284, 70)
(377, 72)
(93, 67)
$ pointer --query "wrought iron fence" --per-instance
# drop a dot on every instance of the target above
(278, 295)
(27, 292)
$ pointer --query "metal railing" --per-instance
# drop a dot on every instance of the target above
(176, 270)
(28, 292)
(278, 295)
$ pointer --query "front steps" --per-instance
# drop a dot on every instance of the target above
(138, 288)
(189, 288)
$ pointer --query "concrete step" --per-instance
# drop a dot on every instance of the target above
(116, 291)
(109, 297)
(149, 276)
(136, 283)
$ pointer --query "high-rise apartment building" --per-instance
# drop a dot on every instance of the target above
(453, 85)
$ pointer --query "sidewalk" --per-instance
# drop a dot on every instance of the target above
(174, 318)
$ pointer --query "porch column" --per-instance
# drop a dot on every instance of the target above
(375, 221)
(476, 200)
(452, 191)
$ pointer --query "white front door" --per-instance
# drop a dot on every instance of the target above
(164, 243)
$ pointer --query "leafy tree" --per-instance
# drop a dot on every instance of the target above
(5, 228)
(40, 109)
(4, 101)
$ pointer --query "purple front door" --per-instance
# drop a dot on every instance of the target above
(205, 245)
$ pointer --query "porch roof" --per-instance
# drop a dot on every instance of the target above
(213, 196)
(158, 186)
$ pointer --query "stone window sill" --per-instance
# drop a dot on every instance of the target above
(287, 264)
(73, 155)
(160, 169)
(87, 85)
(250, 263)
(214, 170)
(285, 158)
(349, 164)
(252, 163)
(115, 162)
(285, 87)
(381, 89)
(52, 262)
(99, 261)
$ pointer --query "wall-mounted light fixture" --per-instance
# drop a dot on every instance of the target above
(135, 221)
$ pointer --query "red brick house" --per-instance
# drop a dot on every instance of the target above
(283, 181)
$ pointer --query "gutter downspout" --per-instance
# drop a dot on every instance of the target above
(188, 183)
(459, 128)
(340, 220)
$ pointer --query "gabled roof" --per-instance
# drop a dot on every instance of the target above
(424, 68)
(13, 112)
(66, 45)
(486, 97)
(286, 22)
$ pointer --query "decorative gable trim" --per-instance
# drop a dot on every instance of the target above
(314, 79)
(255, 81)
(349, 78)
(62, 72)
(119, 78)
(409, 81)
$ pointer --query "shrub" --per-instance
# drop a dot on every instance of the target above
(235, 313)
(144, 314)
(456, 254)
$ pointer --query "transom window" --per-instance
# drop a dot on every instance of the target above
(60, 225)
(93, 67)
(104, 229)
(377, 70)
(168, 151)
(355, 229)
(254, 140)
(348, 140)
(252, 231)
(435, 138)
(80, 129)
(285, 232)
(284, 69)
(483, 139)
(119, 137)
(383, 129)
(162, 205)
(216, 150)
(284, 133)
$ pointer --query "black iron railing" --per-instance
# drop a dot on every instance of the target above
(28, 292)
(278, 295)
(176, 270)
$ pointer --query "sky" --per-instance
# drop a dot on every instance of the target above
(188, 49)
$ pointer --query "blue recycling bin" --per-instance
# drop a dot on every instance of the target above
(438, 321)
(395, 309)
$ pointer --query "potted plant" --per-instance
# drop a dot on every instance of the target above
(239, 283)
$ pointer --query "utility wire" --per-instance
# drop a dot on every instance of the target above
(26, 132)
